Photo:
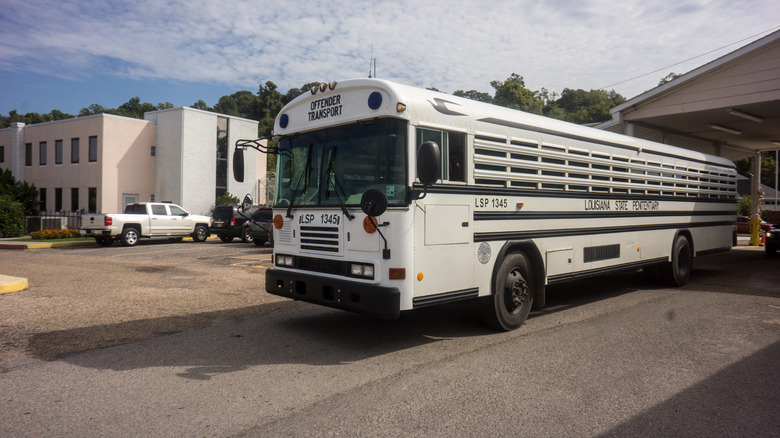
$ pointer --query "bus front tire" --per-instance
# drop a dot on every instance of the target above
(513, 293)
(677, 272)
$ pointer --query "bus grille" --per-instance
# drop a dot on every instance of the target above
(320, 239)
(323, 266)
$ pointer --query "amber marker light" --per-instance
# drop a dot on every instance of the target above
(368, 224)
(278, 221)
(400, 107)
(397, 274)
(419, 276)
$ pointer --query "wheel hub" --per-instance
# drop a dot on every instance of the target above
(516, 291)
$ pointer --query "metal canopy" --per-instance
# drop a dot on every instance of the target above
(728, 107)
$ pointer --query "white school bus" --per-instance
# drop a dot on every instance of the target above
(390, 198)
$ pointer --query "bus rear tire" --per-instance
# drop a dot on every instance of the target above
(677, 272)
(513, 294)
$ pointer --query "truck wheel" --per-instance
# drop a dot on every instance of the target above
(225, 238)
(677, 272)
(258, 242)
(104, 241)
(513, 294)
(201, 234)
(245, 237)
(129, 236)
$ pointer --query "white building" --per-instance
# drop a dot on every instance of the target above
(101, 163)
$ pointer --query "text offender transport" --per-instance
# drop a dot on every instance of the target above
(324, 108)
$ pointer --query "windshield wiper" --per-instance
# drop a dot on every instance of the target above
(306, 171)
(336, 185)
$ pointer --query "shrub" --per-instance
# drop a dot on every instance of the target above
(54, 234)
(11, 217)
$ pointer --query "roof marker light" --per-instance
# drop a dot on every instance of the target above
(323, 87)
(313, 90)
(332, 85)
(375, 100)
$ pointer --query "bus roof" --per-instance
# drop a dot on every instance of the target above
(363, 99)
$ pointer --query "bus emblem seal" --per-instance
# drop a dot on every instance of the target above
(483, 253)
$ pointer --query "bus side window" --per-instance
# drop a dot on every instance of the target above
(456, 157)
(453, 152)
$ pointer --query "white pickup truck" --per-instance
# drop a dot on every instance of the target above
(145, 219)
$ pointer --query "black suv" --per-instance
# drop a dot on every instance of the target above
(772, 241)
(260, 228)
(228, 222)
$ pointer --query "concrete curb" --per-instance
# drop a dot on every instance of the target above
(9, 244)
(10, 284)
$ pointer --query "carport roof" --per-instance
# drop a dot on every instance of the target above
(732, 102)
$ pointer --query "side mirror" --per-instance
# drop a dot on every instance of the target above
(428, 163)
(246, 204)
(238, 164)
(373, 202)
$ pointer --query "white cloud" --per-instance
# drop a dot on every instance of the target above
(449, 45)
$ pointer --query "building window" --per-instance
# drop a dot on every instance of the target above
(42, 203)
(92, 149)
(58, 199)
(92, 200)
(222, 152)
(154, 151)
(74, 199)
(42, 154)
(74, 150)
(28, 154)
(151, 198)
(58, 152)
(2, 154)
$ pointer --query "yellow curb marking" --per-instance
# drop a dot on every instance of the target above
(12, 284)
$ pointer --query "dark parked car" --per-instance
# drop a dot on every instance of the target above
(228, 222)
(743, 225)
(772, 241)
(260, 227)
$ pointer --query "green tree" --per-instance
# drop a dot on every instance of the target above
(133, 108)
(226, 199)
(11, 217)
(201, 105)
(19, 191)
(745, 168)
(512, 93)
(479, 96)
(580, 106)
(269, 104)
(93, 109)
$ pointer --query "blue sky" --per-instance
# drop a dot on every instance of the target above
(67, 55)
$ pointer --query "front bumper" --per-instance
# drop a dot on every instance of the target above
(380, 301)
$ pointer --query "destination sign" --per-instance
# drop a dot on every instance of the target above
(325, 108)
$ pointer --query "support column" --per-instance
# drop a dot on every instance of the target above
(17, 150)
(755, 200)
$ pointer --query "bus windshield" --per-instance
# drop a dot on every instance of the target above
(335, 166)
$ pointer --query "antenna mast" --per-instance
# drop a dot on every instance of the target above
(372, 64)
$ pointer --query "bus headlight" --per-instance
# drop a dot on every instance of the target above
(361, 270)
(284, 260)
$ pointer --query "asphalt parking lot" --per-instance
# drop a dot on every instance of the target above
(180, 339)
